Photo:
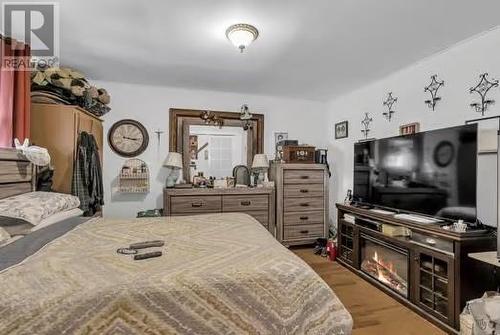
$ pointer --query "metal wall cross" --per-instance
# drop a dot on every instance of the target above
(482, 89)
(389, 102)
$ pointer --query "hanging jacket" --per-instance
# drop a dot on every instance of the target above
(87, 182)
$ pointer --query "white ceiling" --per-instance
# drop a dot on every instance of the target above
(314, 49)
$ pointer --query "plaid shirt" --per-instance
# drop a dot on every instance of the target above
(87, 175)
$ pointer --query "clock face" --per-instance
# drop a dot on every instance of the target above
(128, 138)
(444, 154)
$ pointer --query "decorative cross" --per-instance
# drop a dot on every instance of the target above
(482, 89)
(158, 136)
(389, 102)
(433, 88)
(366, 124)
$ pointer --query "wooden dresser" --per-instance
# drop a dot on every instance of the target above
(257, 202)
(56, 127)
(301, 202)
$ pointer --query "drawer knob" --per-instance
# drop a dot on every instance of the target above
(303, 218)
(246, 203)
(304, 177)
(304, 231)
(430, 241)
(197, 204)
(304, 191)
(305, 204)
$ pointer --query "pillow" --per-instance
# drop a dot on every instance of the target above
(35, 206)
(14, 227)
(58, 218)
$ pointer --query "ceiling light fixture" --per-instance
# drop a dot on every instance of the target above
(242, 35)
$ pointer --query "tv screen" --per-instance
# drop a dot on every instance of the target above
(432, 173)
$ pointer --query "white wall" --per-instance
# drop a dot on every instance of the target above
(458, 66)
(304, 120)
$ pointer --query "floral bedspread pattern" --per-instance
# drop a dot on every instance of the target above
(219, 274)
(33, 207)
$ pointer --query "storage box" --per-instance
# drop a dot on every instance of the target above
(391, 230)
(299, 154)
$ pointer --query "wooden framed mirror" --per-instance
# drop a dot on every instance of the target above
(212, 148)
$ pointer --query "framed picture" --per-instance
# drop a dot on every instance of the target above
(278, 138)
(410, 128)
(341, 130)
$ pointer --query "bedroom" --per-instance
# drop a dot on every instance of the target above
(289, 106)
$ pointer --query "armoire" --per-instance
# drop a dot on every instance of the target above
(57, 127)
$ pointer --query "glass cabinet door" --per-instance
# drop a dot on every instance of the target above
(434, 284)
(346, 242)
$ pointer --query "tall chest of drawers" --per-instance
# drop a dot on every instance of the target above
(301, 202)
(257, 202)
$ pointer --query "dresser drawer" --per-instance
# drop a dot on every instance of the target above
(303, 177)
(303, 231)
(304, 204)
(303, 191)
(196, 204)
(306, 218)
(245, 203)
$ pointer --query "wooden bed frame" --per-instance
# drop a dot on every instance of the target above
(17, 174)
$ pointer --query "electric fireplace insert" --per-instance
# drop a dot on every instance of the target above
(385, 263)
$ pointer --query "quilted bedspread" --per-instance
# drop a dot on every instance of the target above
(219, 274)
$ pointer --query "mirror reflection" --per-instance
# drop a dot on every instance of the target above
(215, 151)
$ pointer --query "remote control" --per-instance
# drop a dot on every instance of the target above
(147, 244)
(147, 255)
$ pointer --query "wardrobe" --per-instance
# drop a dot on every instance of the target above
(56, 127)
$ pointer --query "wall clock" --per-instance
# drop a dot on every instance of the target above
(128, 138)
(444, 154)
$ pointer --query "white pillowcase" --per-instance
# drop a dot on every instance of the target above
(35, 206)
(58, 218)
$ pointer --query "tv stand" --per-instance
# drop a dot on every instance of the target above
(424, 267)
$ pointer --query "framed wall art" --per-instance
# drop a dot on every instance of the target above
(341, 130)
(410, 128)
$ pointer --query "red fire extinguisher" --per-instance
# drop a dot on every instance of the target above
(331, 249)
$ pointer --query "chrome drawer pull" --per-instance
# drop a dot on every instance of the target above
(430, 241)
(304, 191)
(303, 218)
(246, 203)
(304, 231)
(197, 204)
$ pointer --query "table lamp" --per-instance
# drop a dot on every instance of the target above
(174, 163)
(261, 165)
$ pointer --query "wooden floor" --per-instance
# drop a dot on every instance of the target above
(374, 312)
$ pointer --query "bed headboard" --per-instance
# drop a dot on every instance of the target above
(16, 173)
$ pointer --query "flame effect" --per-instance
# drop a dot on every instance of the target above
(380, 264)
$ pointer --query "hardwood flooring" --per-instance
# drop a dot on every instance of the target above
(373, 311)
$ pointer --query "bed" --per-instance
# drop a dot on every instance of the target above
(219, 274)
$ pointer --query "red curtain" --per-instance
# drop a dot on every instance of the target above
(15, 87)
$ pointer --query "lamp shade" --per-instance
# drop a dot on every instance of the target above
(260, 162)
(174, 160)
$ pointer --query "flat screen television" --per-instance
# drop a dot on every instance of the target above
(431, 173)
